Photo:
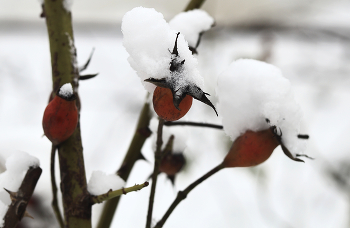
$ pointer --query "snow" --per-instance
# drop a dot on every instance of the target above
(191, 24)
(149, 41)
(101, 183)
(17, 163)
(66, 90)
(67, 4)
(251, 91)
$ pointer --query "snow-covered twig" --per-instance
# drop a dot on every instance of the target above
(20, 199)
(112, 194)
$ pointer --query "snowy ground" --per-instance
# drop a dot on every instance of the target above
(278, 193)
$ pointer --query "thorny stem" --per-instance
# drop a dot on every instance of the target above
(54, 202)
(195, 124)
(112, 194)
(181, 195)
(194, 4)
(157, 156)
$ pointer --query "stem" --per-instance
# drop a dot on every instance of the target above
(142, 132)
(181, 195)
(195, 124)
(54, 202)
(194, 4)
(20, 199)
(112, 194)
(157, 156)
(76, 198)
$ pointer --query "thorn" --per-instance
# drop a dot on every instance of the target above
(87, 76)
(304, 155)
(26, 214)
(172, 179)
(303, 136)
(141, 157)
(13, 195)
(87, 62)
(289, 154)
(175, 52)
(123, 190)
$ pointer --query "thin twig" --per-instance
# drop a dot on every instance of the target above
(195, 124)
(194, 4)
(181, 195)
(54, 202)
(112, 194)
(157, 156)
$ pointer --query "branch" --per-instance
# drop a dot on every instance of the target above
(54, 202)
(157, 156)
(76, 198)
(181, 195)
(142, 132)
(188, 123)
(20, 199)
(112, 194)
(194, 4)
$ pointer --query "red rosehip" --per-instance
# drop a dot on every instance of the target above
(163, 104)
(171, 164)
(251, 148)
(60, 117)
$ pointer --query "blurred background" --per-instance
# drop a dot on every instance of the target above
(308, 40)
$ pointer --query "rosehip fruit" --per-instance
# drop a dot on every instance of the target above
(61, 116)
(251, 148)
(163, 104)
(171, 164)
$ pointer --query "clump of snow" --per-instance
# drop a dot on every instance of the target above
(66, 90)
(250, 92)
(67, 4)
(101, 183)
(149, 40)
(16, 164)
(191, 24)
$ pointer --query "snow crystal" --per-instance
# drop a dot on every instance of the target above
(101, 183)
(250, 92)
(191, 24)
(66, 90)
(17, 163)
(149, 41)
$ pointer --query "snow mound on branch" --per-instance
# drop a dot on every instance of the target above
(191, 24)
(250, 92)
(101, 183)
(148, 39)
(16, 163)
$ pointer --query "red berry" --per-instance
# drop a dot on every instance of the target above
(251, 148)
(60, 119)
(163, 104)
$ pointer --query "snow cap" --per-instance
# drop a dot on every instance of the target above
(101, 183)
(191, 24)
(249, 93)
(66, 92)
(149, 40)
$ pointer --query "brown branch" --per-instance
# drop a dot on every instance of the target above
(54, 202)
(21, 198)
(157, 156)
(194, 4)
(195, 124)
(181, 195)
